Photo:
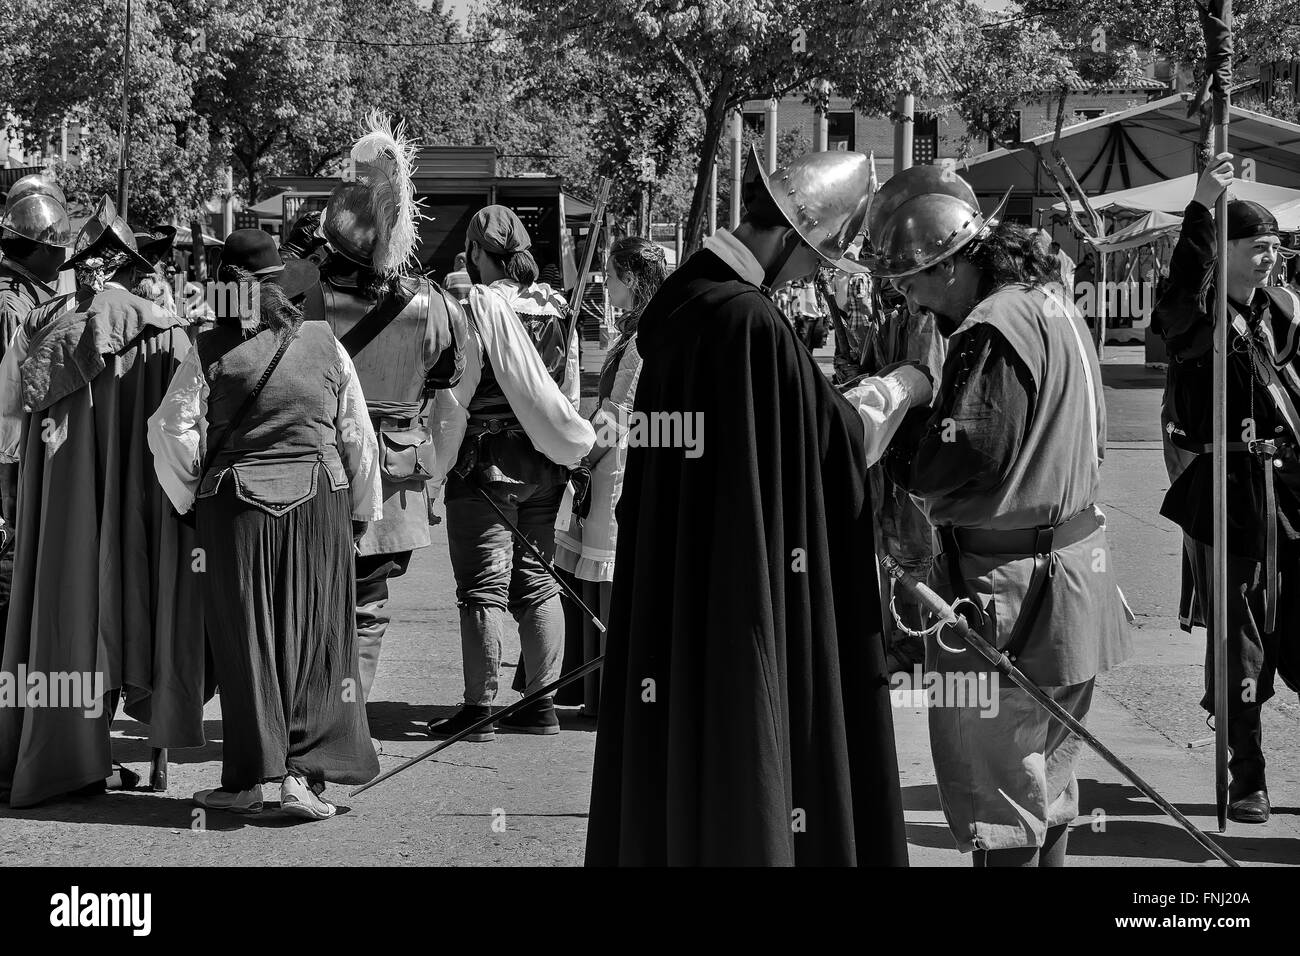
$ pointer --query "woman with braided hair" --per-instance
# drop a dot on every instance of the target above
(586, 532)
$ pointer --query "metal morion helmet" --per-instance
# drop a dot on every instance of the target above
(823, 196)
(372, 220)
(921, 216)
(35, 184)
(106, 231)
(38, 217)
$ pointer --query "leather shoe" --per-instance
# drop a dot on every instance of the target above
(1252, 808)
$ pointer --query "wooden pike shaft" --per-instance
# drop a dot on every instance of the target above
(1218, 602)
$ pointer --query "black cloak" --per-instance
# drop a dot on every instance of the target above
(745, 716)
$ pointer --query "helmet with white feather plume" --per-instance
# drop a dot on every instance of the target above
(372, 219)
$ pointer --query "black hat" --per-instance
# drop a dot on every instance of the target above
(1247, 219)
(105, 231)
(156, 244)
(255, 252)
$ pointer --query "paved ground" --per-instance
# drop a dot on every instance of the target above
(523, 800)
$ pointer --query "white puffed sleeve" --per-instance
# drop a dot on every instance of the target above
(357, 445)
(178, 432)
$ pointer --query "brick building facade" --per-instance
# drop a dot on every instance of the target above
(935, 137)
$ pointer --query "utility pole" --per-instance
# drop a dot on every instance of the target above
(737, 159)
(124, 155)
(770, 133)
(906, 109)
(821, 125)
(713, 199)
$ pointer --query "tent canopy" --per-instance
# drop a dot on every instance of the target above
(1173, 195)
(1160, 206)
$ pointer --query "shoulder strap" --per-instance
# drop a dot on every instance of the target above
(376, 320)
(245, 408)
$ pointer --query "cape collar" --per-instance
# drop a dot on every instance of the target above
(736, 255)
(71, 349)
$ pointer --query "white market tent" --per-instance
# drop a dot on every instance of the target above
(1149, 144)
(1160, 206)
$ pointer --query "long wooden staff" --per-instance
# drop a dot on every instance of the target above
(1218, 44)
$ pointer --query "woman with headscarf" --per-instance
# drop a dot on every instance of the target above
(264, 432)
(586, 531)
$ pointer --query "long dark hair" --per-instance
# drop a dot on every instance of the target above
(642, 266)
(274, 310)
(1010, 253)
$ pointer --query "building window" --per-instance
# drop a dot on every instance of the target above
(1010, 132)
(925, 139)
(840, 130)
(1089, 114)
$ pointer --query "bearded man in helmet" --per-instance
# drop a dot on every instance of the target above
(406, 336)
(745, 716)
(1006, 469)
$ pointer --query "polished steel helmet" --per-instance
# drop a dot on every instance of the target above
(35, 184)
(823, 196)
(38, 217)
(106, 231)
(921, 216)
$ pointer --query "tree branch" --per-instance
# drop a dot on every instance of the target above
(692, 74)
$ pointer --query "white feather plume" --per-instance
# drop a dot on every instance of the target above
(385, 160)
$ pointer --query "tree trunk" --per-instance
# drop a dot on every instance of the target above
(715, 120)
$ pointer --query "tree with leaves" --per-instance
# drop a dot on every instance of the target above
(60, 62)
(725, 52)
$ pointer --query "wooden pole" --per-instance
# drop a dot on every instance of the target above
(1219, 600)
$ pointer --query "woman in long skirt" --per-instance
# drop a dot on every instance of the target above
(584, 546)
(280, 487)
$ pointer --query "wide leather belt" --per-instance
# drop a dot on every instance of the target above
(1203, 448)
(1026, 541)
(389, 423)
(493, 426)
(1038, 543)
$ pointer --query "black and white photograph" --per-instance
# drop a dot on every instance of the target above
(596, 437)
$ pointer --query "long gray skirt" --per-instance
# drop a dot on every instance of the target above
(279, 604)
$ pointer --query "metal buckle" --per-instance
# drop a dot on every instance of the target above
(1264, 447)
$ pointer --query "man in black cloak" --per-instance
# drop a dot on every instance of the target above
(745, 716)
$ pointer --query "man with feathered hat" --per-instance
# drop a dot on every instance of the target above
(1005, 467)
(406, 336)
(104, 574)
(1263, 461)
(745, 713)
